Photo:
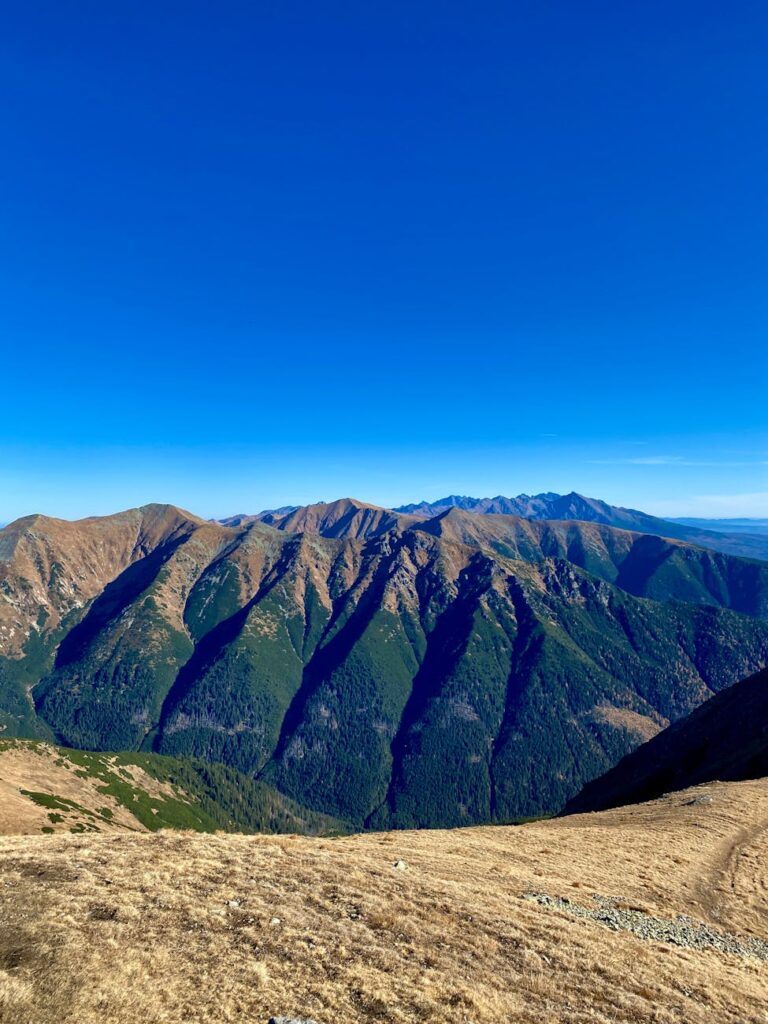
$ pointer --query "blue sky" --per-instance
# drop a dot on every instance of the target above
(255, 254)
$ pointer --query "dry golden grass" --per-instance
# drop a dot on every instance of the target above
(172, 927)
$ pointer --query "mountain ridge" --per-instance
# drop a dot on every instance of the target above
(402, 678)
(550, 505)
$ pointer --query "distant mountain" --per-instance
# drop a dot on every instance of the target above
(344, 518)
(537, 506)
(726, 738)
(523, 505)
(592, 510)
(376, 667)
(268, 516)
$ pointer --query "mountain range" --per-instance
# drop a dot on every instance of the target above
(747, 538)
(382, 668)
(732, 537)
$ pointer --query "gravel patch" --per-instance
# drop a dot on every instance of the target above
(682, 931)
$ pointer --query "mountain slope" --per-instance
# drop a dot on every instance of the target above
(725, 738)
(412, 677)
(58, 566)
(54, 573)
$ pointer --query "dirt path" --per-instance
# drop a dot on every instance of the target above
(737, 874)
(744, 880)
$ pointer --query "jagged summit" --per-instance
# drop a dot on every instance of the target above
(574, 506)
(547, 505)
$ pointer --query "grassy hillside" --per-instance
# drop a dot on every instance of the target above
(52, 789)
(566, 921)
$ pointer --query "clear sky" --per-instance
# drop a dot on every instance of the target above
(265, 253)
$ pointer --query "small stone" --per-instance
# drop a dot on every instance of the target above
(273, 923)
(400, 865)
(233, 903)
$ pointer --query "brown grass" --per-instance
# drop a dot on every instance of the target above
(178, 927)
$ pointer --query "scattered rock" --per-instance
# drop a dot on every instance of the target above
(291, 1020)
(697, 800)
(682, 931)
(233, 903)
(273, 923)
(400, 865)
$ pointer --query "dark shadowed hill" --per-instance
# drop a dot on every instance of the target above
(726, 738)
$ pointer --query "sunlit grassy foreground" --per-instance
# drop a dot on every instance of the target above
(171, 927)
